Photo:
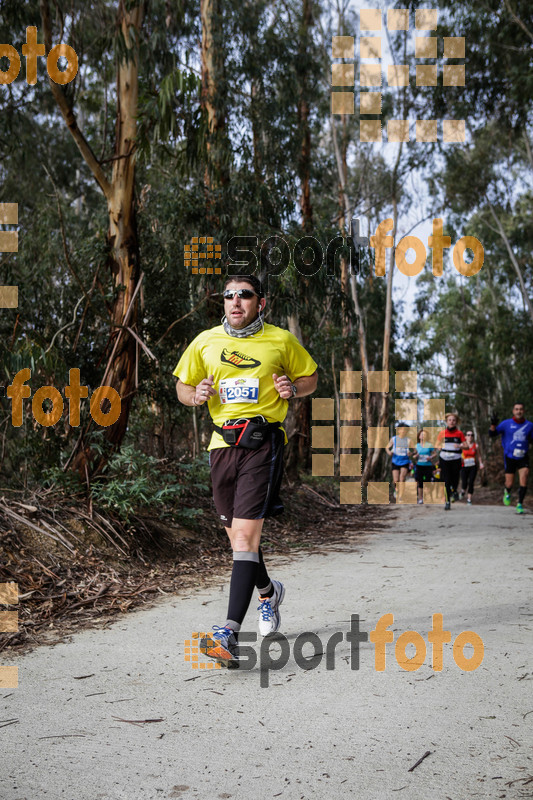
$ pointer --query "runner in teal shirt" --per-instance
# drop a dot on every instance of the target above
(424, 465)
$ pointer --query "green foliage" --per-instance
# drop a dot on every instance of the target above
(134, 482)
(66, 481)
(472, 333)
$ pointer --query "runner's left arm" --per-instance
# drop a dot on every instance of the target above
(300, 366)
(495, 429)
(304, 385)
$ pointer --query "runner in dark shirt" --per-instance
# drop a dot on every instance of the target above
(450, 442)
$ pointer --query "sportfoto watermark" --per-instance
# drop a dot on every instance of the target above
(380, 636)
(274, 255)
(9, 623)
(9, 243)
(398, 75)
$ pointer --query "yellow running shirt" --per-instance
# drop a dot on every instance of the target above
(243, 370)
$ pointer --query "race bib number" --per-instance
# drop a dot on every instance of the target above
(470, 462)
(401, 451)
(239, 390)
(518, 452)
(447, 455)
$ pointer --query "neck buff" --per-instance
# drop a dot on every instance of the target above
(518, 421)
(249, 330)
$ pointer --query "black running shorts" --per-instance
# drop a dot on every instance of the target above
(512, 464)
(449, 472)
(246, 483)
(423, 474)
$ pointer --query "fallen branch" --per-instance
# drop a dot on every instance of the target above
(323, 499)
(426, 754)
(102, 591)
(59, 538)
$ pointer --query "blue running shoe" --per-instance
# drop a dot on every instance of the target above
(520, 508)
(269, 616)
(221, 645)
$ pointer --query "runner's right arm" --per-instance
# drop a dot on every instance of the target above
(195, 395)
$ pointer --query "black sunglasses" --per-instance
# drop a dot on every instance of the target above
(244, 294)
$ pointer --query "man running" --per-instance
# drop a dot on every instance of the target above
(516, 433)
(450, 442)
(247, 371)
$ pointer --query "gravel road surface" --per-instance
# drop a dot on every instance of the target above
(312, 732)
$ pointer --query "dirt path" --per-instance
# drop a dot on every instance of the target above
(311, 733)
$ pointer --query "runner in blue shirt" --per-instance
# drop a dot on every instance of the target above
(399, 447)
(516, 433)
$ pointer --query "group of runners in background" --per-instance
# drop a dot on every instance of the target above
(456, 457)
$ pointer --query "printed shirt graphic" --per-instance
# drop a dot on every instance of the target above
(516, 437)
(424, 455)
(214, 352)
(451, 444)
(400, 451)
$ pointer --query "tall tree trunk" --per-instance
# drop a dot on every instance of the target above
(119, 193)
(214, 93)
(344, 211)
(122, 233)
(347, 328)
(297, 423)
(525, 297)
(383, 413)
(304, 161)
(363, 352)
(256, 131)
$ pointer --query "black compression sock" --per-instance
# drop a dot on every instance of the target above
(522, 493)
(243, 577)
(262, 581)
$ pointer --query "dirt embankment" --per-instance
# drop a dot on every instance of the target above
(77, 567)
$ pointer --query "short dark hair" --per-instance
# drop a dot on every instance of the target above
(518, 404)
(251, 279)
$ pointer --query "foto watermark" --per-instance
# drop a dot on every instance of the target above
(380, 636)
(31, 50)
(74, 392)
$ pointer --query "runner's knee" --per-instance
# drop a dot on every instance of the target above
(244, 538)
